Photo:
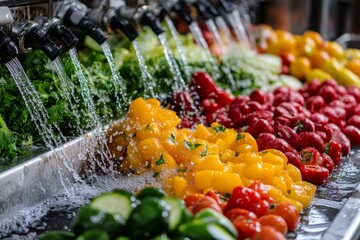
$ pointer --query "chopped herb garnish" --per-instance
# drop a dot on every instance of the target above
(156, 174)
(240, 136)
(264, 152)
(227, 195)
(288, 191)
(181, 169)
(172, 137)
(219, 128)
(205, 152)
(236, 153)
(160, 161)
(191, 146)
(148, 127)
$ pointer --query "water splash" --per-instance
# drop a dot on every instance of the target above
(67, 90)
(179, 81)
(118, 84)
(199, 38)
(145, 75)
(223, 27)
(32, 99)
(179, 46)
(214, 30)
(238, 26)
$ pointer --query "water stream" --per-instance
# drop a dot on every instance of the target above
(199, 38)
(67, 90)
(223, 27)
(179, 81)
(238, 26)
(214, 30)
(146, 77)
(118, 84)
(33, 103)
(179, 45)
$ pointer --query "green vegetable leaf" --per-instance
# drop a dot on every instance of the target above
(160, 161)
(219, 128)
(191, 146)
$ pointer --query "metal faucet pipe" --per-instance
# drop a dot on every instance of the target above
(28, 34)
(58, 31)
(8, 49)
(73, 13)
(142, 15)
(178, 7)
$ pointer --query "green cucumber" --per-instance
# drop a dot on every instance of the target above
(94, 235)
(151, 192)
(90, 218)
(115, 203)
(149, 219)
(209, 215)
(199, 230)
(57, 235)
(178, 212)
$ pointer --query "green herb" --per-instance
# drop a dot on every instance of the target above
(160, 161)
(181, 170)
(191, 146)
(172, 137)
(156, 174)
(205, 152)
(148, 127)
(240, 136)
(219, 128)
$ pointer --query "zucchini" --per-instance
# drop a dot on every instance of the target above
(208, 215)
(148, 219)
(94, 235)
(151, 192)
(115, 203)
(199, 230)
(90, 218)
(178, 212)
(57, 235)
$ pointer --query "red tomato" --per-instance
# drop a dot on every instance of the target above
(328, 162)
(348, 99)
(209, 106)
(288, 212)
(294, 159)
(183, 101)
(286, 110)
(315, 174)
(311, 139)
(290, 96)
(206, 202)
(213, 195)
(249, 199)
(281, 90)
(302, 124)
(328, 93)
(246, 227)
(223, 98)
(315, 103)
(235, 212)
(352, 90)
(268, 233)
(287, 134)
(258, 96)
(353, 133)
(263, 139)
(275, 221)
(344, 141)
(311, 156)
(204, 85)
(261, 188)
(319, 118)
(354, 121)
(312, 87)
(191, 199)
(334, 151)
(280, 144)
(260, 126)
(287, 58)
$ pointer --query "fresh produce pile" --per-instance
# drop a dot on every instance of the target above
(152, 215)
(309, 57)
(314, 126)
(202, 159)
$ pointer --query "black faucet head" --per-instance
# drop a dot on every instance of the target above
(90, 29)
(8, 49)
(124, 26)
(37, 38)
(206, 9)
(149, 19)
(65, 35)
(183, 12)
